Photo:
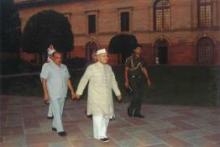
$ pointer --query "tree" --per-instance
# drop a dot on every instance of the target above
(123, 44)
(10, 27)
(45, 28)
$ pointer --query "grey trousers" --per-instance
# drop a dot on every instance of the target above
(57, 110)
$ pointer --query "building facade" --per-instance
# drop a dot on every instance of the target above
(172, 32)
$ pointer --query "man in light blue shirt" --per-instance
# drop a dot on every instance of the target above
(56, 80)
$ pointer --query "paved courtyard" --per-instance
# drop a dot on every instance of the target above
(24, 124)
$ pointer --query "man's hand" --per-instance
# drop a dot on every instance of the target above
(127, 84)
(73, 95)
(46, 98)
(149, 82)
(119, 98)
(77, 96)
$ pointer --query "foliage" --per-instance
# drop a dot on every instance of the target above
(10, 27)
(45, 28)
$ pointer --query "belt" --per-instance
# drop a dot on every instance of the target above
(136, 76)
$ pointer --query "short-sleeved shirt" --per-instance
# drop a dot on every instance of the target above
(57, 78)
(135, 65)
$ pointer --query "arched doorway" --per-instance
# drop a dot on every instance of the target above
(161, 49)
(123, 44)
(205, 50)
(91, 47)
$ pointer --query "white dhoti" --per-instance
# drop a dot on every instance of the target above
(100, 126)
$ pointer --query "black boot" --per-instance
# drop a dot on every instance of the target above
(62, 134)
(129, 112)
(138, 114)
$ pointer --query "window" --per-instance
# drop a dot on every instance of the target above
(204, 13)
(205, 51)
(161, 15)
(125, 21)
(91, 24)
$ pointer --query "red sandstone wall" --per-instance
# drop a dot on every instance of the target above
(182, 38)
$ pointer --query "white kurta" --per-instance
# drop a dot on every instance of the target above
(101, 83)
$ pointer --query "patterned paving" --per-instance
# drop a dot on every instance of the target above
(24, 124)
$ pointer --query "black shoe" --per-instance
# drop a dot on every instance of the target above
(104, 140)
(139, 115)
(49, 117)
(89, 116)
(129, 112)
(62, 133)
(54, 129)
(112, 119)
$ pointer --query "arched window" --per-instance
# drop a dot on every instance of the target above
(161, 15)
(204, 13)
(205, 51)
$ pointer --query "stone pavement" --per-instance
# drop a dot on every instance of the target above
(24, 124)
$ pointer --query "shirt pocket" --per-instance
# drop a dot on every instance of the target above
(65, 74)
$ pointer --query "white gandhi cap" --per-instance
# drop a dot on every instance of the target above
(101, 51)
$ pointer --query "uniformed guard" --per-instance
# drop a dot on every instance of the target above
(136, 76)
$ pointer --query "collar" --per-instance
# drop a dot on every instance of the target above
(135, 57)
(100, 64)
(55, 65)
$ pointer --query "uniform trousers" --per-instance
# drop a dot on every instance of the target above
(138, 86)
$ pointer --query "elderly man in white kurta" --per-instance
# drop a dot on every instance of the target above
(100, 102)
(56, 80)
